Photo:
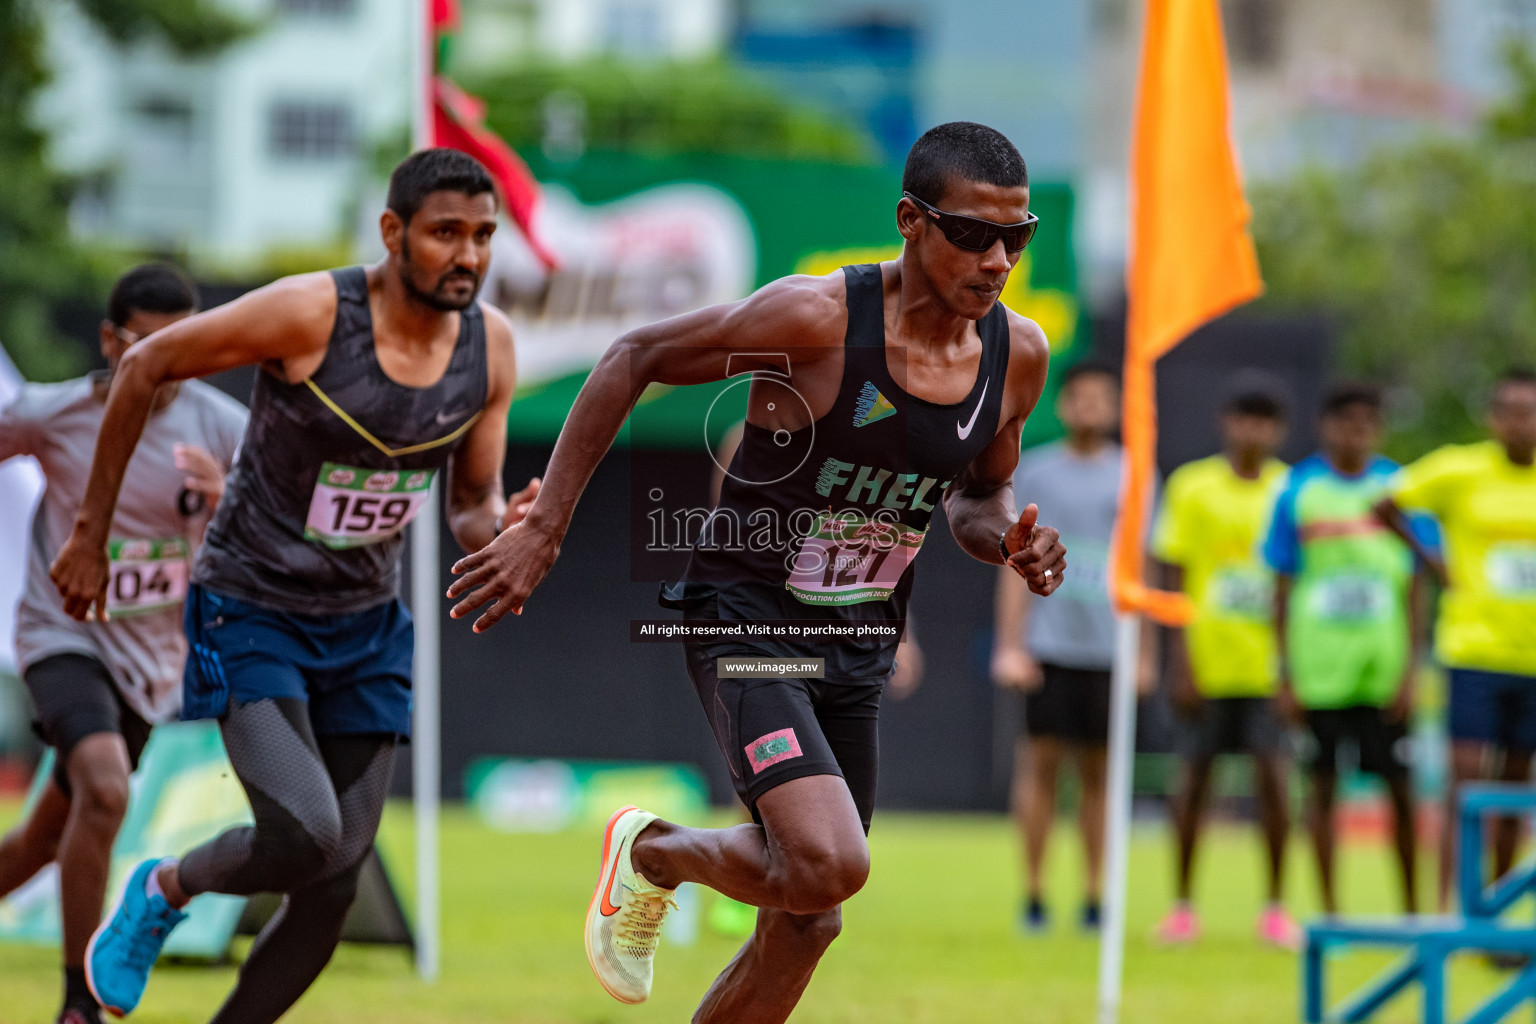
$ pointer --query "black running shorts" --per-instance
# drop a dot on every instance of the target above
(772, 731)
(1382, 745)
(1232, 725)
(1071, 704)
(73, 696)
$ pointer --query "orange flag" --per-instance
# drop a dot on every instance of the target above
(1191, 256)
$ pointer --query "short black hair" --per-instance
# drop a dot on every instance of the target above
(1255, 393)
(1516, 375)
(1343, 394)
(964, 150)
(435, 170)
(151, 288)
(1089, 368)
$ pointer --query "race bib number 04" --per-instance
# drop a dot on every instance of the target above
(146, 576)
(352, 507)
(1512, 570)
(851, 559)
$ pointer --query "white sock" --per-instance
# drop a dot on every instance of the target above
(152, 883)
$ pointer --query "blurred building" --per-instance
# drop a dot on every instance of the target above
(1471, 34)
(268, 145)
(901, 66)
(227, 159)
(1313, 82)
(519, 30)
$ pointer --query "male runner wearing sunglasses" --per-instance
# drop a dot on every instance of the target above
(877, 392)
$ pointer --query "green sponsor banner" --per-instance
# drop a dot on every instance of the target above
(523, 795)
(184, 793)
(658, 236)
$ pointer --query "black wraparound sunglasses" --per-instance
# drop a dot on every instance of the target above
(979, 235)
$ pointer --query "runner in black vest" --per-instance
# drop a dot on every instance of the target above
(877, 392)
(373, 379)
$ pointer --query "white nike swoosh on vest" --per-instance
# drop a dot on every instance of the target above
(965, 431)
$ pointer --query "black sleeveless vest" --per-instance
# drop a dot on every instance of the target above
(375, 438)
(824, 523)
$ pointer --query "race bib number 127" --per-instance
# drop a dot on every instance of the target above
(851, 559)
(352, 507)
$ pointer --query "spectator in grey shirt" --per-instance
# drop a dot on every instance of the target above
(1057, 654)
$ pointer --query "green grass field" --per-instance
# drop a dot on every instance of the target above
(931, 940)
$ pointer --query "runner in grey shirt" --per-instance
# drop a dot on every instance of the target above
(158, 522)
(1057, 653)
(97, 687)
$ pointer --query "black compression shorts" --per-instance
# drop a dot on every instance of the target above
(73, 696)
(774, 730)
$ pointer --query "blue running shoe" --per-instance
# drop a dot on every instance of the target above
(1093, 916)
(125, 947)
(1035, 920)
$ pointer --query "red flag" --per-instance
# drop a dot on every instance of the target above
(458, 123)
(445, 15)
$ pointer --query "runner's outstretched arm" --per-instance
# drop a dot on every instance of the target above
(802, 318)
(477, 510)
(287, 320)
(980, 503)
(1396, 520)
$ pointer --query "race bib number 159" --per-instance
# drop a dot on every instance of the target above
(352, 507)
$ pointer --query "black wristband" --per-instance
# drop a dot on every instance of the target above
(1002, 546)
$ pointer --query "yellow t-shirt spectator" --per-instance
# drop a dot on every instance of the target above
(1211, 524)
(1487, 511)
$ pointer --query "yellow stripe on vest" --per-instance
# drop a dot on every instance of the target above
(380, 445)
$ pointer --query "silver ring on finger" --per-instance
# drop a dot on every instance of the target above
(1049, 574)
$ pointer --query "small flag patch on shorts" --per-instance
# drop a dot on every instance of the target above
(772, 748)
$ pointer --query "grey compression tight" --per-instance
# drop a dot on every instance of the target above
(316, 805)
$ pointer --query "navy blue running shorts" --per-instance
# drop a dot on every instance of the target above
(1493, 707)
(353, 669)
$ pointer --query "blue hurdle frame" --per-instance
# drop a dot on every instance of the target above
(1431, 940)
(1477, 802)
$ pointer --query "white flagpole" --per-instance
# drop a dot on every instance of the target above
(426, 598)
(1117, 814)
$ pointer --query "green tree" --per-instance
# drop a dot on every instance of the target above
(1426, 255)
(40, 266)
(695, 106)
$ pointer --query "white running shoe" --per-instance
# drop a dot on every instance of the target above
(624, 920)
